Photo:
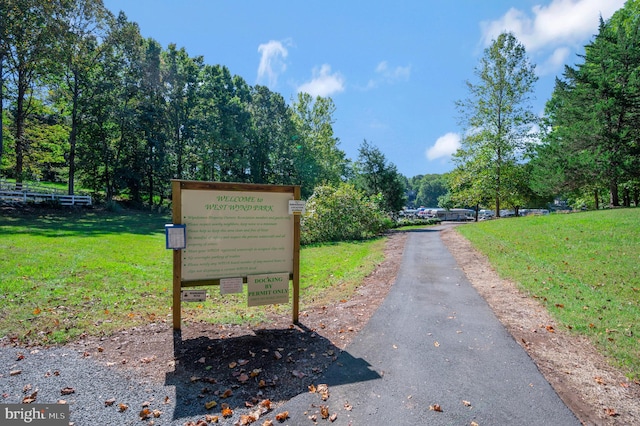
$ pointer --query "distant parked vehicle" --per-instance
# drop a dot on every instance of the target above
(458, 215)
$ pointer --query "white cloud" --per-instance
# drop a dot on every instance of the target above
(272, 62)
(323, 82)
(445, 146)
(554, 62)
(561, 24)
(395, 74)
(384, 74)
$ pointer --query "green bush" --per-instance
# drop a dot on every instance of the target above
(341, 213)
(417, 222)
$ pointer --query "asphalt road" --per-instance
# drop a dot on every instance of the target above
(433, 342)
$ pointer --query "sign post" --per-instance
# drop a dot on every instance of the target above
(235, 231)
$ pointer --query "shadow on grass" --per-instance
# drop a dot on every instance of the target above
(274, 364)
(79, 222)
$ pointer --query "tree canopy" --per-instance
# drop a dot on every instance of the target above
(497, 122)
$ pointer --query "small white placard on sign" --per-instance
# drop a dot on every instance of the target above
(296, 206)
(176, 236)
(193, 295)
(267, 289)
(230, 285)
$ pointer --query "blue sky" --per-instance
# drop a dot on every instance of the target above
(393, 69)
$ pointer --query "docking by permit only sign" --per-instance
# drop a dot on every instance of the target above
(237, 233)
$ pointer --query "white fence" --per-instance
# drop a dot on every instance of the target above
(26, 193)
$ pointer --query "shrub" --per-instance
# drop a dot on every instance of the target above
(341, 213)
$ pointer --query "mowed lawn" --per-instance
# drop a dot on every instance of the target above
(64, 273)
(584, 267)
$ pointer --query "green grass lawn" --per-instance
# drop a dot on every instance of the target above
(65, 273)
(584, 267)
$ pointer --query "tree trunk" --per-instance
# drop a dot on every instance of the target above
(1, 110)
(614, 201)
(73, 135)
(596, 198)
(20, 119)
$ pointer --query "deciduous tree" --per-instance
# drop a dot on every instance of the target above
(497, 118)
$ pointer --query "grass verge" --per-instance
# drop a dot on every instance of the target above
(585, 268)
(64, 273)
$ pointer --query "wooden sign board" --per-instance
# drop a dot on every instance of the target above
(235, 230)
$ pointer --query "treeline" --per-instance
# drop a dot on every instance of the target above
(92, 101)
(588, 144)
(591, 131)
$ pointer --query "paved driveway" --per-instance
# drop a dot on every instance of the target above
(434, 341)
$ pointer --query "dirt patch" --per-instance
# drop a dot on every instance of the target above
(277, 360)
(595, 391)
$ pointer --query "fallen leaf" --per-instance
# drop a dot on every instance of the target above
(266, 403)
(281, 417)
(550, 329)
(333, 417)
(233, 364)
(435, 407)
(242, 362)
(227, 393)
(67, 391)
(156, 413)
(324, 411)
(29, 399)
(123, 407)
(255, 372)
(298, 374)
(209, 405)
(599, 380)
(227, 412)
(436, 344)
(466, 403)
(277, 355)
(144, 414)
(610, 412)
(243, 378)
(15, 372)
(109, 402)
(267, 422)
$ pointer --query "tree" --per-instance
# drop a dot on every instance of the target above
(181, 74)
(86, 25)
(594, 114)
(375, 176)
(31, 32)
(497, 120)
(318, 159)
(429, 188)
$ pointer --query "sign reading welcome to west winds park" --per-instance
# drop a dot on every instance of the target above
(238, 231)
(232, 234)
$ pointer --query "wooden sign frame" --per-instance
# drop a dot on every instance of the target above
(241, 188)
